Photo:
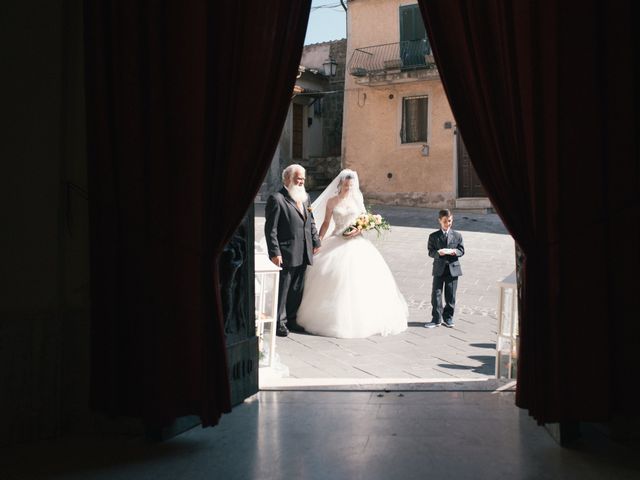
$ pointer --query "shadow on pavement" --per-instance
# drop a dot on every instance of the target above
(428, 218)
(487, 368)
(483, 345)
(416, 324)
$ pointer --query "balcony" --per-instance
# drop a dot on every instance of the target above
(380, 60)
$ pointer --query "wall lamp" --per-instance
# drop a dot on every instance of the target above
(330, 66)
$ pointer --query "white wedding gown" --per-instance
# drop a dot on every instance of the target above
(349, 291)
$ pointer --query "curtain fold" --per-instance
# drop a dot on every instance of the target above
(254, 54)
(185, 103)
(543, 94)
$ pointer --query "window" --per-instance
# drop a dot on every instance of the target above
(415, 113)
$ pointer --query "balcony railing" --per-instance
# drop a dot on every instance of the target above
(401, 56)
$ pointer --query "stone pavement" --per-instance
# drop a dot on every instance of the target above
(464, 355)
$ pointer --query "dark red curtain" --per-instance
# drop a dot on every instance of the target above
(544, 96)
(185, 103)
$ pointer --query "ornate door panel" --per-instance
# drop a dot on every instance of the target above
(238, 303)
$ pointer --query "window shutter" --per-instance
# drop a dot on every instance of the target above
(411, 24)
(414, 44)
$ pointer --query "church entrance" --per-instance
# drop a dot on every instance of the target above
(463, 357)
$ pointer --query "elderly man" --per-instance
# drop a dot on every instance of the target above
(292, 240)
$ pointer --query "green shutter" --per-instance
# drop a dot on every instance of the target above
(411, 24)
(414, 44)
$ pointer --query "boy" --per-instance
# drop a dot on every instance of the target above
(445, 247)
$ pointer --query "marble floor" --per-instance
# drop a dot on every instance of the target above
(333, 435)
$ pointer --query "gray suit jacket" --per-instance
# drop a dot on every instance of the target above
(289, 233)
(440, 263)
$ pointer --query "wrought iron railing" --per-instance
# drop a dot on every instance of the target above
(408, 55)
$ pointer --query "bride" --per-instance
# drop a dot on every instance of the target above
(349, 290)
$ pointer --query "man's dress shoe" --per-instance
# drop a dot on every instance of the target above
(282, 331)
(294, 327)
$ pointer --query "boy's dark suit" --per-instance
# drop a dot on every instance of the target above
(291, 234)
(446, 270)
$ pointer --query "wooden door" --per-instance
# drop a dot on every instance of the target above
(296, 131)
(468, 182)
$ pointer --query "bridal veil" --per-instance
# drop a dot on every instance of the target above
(319, 206)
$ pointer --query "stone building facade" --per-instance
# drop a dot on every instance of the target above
(312, 133)
(314, 56)
(399, 132)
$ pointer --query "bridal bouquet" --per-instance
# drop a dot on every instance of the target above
(368, 221)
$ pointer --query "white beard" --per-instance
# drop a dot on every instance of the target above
(298, 193)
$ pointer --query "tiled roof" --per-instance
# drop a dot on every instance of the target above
(326, 43)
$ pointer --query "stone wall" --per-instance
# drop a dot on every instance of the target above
(411, 199)
(320, 171)
(333, 103)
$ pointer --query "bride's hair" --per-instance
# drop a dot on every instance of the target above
(347, 176)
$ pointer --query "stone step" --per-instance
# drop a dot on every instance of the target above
(474, 205)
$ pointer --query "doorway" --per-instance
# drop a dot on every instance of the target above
(469, 185)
